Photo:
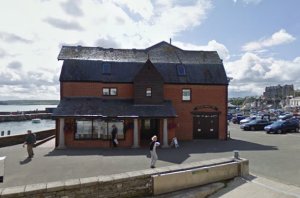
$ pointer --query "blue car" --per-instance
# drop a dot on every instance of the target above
(236, 119)
(283, 126)
(255, 125)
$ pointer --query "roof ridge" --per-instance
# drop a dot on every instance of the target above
(162, 43)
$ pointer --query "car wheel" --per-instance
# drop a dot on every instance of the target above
(268, 132)
(297, 130)
(252, 128)
(279, 131)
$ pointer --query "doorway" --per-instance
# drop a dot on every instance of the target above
(149, 128)
(206, 126)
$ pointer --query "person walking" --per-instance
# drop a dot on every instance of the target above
(154, 143)
(114, 133)
(29, 141)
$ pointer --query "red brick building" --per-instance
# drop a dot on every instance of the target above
(161, 90)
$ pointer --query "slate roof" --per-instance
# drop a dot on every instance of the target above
(85, 64)
(110, 108)
(162, 52)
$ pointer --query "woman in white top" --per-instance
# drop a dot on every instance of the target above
(153, 146)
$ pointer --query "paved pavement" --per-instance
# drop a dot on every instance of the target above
(275, 157)
(257, 187)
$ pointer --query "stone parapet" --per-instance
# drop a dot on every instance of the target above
(128, 184)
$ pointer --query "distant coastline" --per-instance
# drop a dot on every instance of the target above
(29, 102)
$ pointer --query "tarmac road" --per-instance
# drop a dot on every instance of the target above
(276, 157)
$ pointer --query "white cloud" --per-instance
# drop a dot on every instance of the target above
(211, 46)
(248, 1)
(252, 73)
(278, 38)
(144, 8)
(32, 33)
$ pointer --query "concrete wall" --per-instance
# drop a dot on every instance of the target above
(129, 184)
(174, 181)
(19, 139)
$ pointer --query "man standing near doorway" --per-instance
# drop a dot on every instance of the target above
(114, 133)
(30, 140)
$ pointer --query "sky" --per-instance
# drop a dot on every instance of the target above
(258, 40)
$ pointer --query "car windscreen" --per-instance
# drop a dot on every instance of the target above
(277, 123)
(253, 122)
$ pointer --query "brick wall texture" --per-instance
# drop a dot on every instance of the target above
(215, 95)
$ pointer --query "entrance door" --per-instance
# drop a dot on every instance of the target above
(206, 125)
(149, 128)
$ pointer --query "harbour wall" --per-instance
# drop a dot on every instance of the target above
(19, 139)
(23, 117)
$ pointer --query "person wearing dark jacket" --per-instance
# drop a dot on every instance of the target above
(29, 141)
(114, 133)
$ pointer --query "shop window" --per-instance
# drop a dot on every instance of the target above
(83, 129)
(98, 129)
(120, 127)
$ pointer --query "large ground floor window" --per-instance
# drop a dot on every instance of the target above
(98, 129)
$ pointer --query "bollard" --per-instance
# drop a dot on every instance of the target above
(8, 132)
(2, 133)
(236, 154)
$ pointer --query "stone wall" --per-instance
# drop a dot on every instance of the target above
(129, 184)
(19, 139)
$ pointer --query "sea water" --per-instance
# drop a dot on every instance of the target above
(21, 127)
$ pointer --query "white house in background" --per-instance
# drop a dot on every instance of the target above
(294, 102)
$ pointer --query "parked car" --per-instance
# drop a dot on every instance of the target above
(283, 126)
(255, 125)
(247, 119)
(236, 119)
(285, 116)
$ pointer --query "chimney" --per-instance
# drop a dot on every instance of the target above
(170, 41)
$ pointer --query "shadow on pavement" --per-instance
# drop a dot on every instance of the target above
(230, 186)
(25, 161)
(171, 154)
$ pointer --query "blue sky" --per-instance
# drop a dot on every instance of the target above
(257, 39)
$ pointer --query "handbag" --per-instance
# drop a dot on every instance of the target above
(116, 141)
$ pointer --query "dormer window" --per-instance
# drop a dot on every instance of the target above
(148, 92)
(106, 68)
(181, 70)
